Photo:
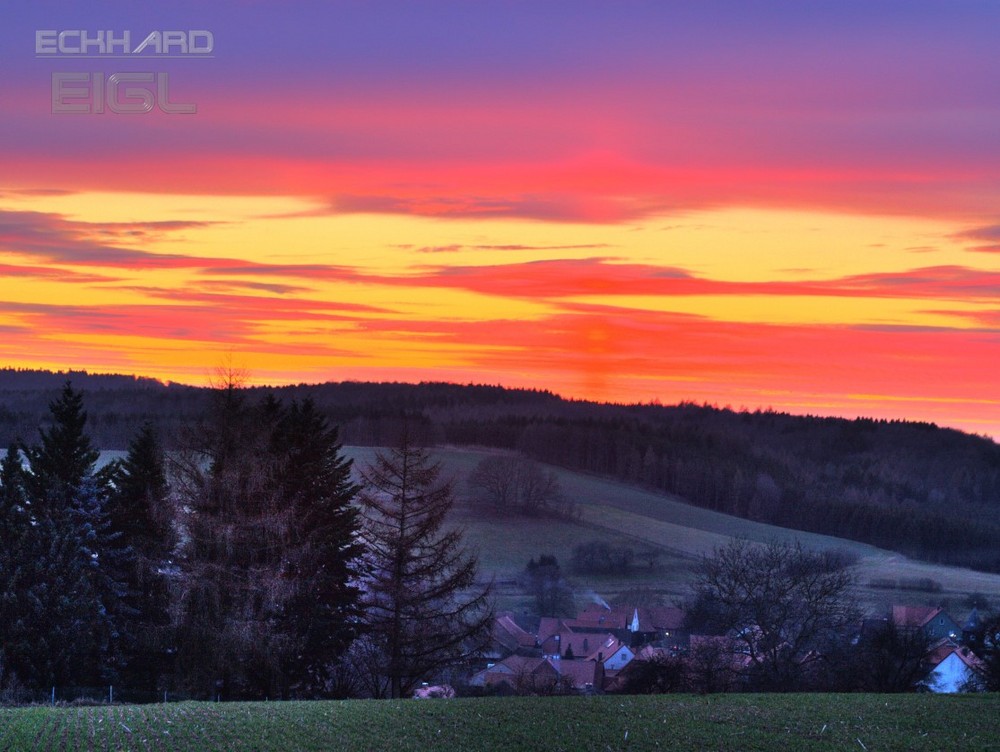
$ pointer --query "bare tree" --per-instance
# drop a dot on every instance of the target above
(782, 606)
(423, 606)
(516, 485)
(890, 659)
(538, 490)
(714, 664)
(494, 482)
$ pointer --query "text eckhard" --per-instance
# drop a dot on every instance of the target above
(108, 43)
(125, 93)
(132, 93)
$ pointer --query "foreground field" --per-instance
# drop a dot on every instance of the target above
(719, 722)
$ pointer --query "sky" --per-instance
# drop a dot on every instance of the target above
(752, 204)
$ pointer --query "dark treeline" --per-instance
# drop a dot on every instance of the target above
(118, 406)
(242, 563)
(913, 487)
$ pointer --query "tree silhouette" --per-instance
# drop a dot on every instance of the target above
(544, 582)
(424, 608)
(266, 601)
(781, 605)
(141, 517)
(67, 583)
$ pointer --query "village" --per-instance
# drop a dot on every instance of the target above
(634, 649)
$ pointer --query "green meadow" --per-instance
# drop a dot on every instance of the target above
(550, 724)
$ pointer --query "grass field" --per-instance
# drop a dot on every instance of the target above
(674, 722)
(681, 532)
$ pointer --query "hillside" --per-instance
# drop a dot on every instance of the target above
(924, 491)
(678, 533)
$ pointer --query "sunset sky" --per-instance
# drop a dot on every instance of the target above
(792, 205)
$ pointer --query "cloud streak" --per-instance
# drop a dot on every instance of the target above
(605, 276)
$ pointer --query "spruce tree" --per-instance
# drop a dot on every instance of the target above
(141, 519)
(423, 607)
(67, 583)
(322, 613)
(48, 607)
(63, 458)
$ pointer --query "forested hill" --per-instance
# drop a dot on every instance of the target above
(926, 491)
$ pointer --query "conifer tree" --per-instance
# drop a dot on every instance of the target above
(423, 606)
(229, 591)
(322, 613)
(141, 518)
(63, 458)
(68, 582)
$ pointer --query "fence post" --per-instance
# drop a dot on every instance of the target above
(111, 694)
(53, 695)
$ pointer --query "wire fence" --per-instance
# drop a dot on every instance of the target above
(106, 695)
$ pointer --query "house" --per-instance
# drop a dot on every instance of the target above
(652, 669)
(653, 653)
(581, 676)
(569, 644)
(508, 637)
(951, 668)
(933, 620)
(532, 675)
(613, 654)
(518, 673)
(635, 625)
(549, 626)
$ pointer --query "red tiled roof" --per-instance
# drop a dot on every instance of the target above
(914, 616)
(723, 646)
(652, 619)
(516, 668)
(598, 617)
(507, 631)
(580, 673)
(607, 649)
(583, 643)
(651, 653)
(945, 647)
(549, 626)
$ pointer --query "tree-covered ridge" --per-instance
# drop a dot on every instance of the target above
(927, 492)
(912, 487)
(29, 380)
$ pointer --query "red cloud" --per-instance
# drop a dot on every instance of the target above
(563, 278)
